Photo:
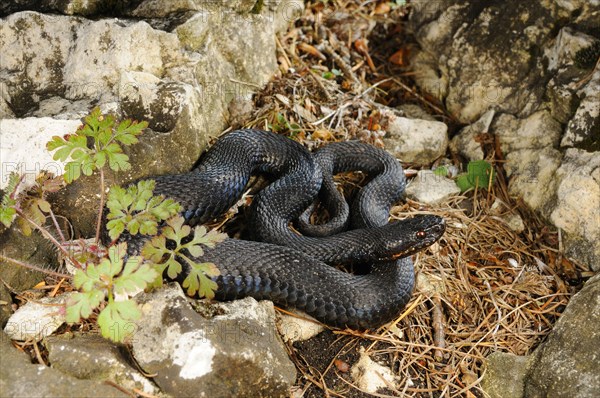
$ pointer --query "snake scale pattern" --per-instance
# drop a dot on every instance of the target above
(296, 270)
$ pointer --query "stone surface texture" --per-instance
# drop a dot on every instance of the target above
(235, 353)
(515, 71)
(517, 74)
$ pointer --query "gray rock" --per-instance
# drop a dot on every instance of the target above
(91, 357)
(532, 176)
(36, 319)
(6, 303)
(465, 143)
(510, 217)
(415, 140)
(181, 79)
(236, 353)
(537, 131)
(577, 208)
(484, 69)
(564, 89)
(522, 61)
(429, 188)
(565, 365)
(504, 375)
(17, 157)
(20, 378)
(298, 328)
(413, 111)
(583, 130)
(35, 250)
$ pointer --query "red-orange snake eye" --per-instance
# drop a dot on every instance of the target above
(421, 234)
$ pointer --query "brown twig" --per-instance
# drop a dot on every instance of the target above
(438, 327)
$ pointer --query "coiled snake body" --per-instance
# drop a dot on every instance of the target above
(294, 270)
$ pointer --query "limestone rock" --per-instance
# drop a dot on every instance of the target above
(20, 378)
(29, 160)
(236, 353)
(91, 357)
(583, 129)
(538, 131)
(532, 176)
(465, 143)
(298, 328)
(504, 375)
(511, 218)
(179, 73)
(36, 320)
(370, 376)
(484, 69)
(35, 48)
(415, 140)
(429, 188)
(577, 209)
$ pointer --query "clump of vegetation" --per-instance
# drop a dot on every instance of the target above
(480, 174)
(106, 283)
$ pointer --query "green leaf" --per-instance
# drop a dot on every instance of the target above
(148, 227)
(114, 264)
(128, 130)
(58, 142)
(176, 230)
(462, 180)
(87, 280)
(92, 120)
(99, 160)
(173, 267)
(198, 280)
(136, 210)
(201, 237)
(116, 320)
(117, 160)
(441, 171)
(7, 215)
(166, 209)
(135, 277)
(72, 171)
(165, 258)
(328, 75)
(74, 147)
(115, 228)
(81, 305)
(480, 172)
(155, 249)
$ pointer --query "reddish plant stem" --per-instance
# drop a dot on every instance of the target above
(58, 230)
(33, 267)
(99, 219)
(51, 238)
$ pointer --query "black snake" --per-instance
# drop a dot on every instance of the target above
(294, 270)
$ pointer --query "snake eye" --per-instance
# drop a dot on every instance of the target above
(421, 234)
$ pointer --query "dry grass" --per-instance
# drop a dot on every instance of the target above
(483, 287)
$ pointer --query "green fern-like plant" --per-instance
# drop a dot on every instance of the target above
(107, 284)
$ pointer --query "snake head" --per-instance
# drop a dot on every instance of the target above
(407, 237)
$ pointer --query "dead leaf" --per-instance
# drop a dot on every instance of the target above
(382, 8)
(307, 48)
